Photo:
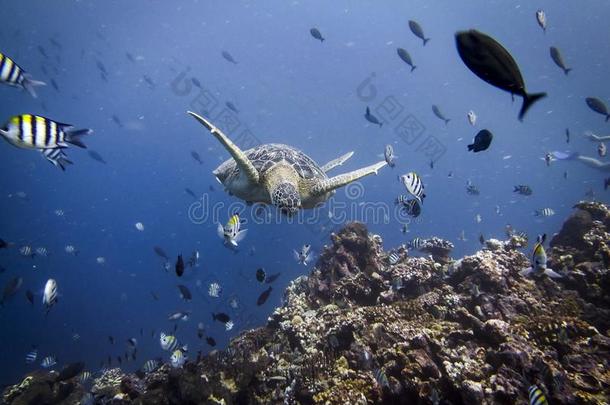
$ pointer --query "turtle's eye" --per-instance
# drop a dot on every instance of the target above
(286, 197)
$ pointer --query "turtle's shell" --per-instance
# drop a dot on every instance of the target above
(264, 157)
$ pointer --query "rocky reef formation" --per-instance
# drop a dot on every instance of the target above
(358, 330)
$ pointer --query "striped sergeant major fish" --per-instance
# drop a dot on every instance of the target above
(29, 131)
(150, 366)
(13, 75)
(49, 296)
(170, 343)
(31, 356)
(539, 261)
(414, 185)
(232, 233)
(536, 396)
(48, 362)
(57, 158)
(393, 258)
(544, 212)
(177, 359)
(304, 256)
(416, 243)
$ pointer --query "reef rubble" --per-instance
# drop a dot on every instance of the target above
(359, 330)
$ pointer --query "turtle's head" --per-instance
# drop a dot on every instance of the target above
(286, 197)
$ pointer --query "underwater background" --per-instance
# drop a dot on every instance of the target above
(288, 88)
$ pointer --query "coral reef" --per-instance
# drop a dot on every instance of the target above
(358, 330)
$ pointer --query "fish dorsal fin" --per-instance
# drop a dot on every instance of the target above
(238, 155)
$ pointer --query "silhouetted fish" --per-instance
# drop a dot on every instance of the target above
(10, 289)
(491, 62)
(418, 31)
(210, 340)
(270, 279)
(179, 266)
(196, 156)
(404, 55)
(439, 114)
(190, 192)
(70, 371)
(556, 56)
(598, 106)
(185, 293)
(231, 107)
(30, 296)
(96, 156)
(221, 317)
(117, 121)
(228, 57)
(316, 34)
(482, 140)
(160, 252)
(264, 296)
(371, 118)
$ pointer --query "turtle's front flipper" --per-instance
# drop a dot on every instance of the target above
(341, 180)
(336, 162)
(240, 158)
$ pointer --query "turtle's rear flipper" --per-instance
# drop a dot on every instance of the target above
(336, 162)
(240, 157)
(341, 180)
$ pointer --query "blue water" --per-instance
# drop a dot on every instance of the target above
(289, 88)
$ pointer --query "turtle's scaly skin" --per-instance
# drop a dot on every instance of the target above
(275, 163)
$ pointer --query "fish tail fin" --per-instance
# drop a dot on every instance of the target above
(552, 274)
(526, 272)
(528, 101)
(413, 68)
(567, 70)
(426, 41)
(220, 231)
(62, 162)
(73, 137)
(447, 120)
(471, 146)
(240, 236)
(29, 84)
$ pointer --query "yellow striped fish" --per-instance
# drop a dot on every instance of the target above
(539, 261)
(536, 396)
(231, 232)
(13, 75)
(29, 131)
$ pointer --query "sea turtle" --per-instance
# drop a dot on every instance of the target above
(279, 174)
